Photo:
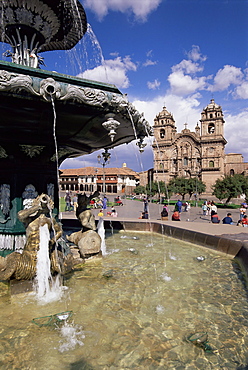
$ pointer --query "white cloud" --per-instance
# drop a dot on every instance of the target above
(149, 54)
(140, 8)
(149, 62)
(183, 109)
(241, 92)
(187, 66)
(153, 85)
(182, 84)
(195, 54)
(112, 71)
(183, 80)
(236, 133)
(228, 75)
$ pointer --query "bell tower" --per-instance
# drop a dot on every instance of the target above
(212, 121)
(164, 134)
(164, 127)
(212, 143)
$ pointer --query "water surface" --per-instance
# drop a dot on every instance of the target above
(134, 309)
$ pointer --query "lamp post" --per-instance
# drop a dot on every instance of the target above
(196, 194)
(103, 160)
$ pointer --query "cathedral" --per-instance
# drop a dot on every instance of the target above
(198, 154)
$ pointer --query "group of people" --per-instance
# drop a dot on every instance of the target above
(177, 211)
(210, 208)
(71, 202)
(112, 213)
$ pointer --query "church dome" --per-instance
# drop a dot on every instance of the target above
(164, 114)
(212, 105)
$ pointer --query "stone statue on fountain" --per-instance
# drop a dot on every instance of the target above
(22, 266)
(87, 239)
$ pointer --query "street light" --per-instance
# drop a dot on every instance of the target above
(196, 195)
(103, 160)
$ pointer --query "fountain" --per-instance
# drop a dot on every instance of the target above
(138, 308)
(47, 117)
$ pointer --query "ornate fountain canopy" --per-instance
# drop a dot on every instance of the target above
(83, 109)
(41, 25)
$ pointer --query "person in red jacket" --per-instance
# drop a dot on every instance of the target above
(175, 216)
(244, 221)
(215, 218)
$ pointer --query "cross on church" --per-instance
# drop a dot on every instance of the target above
(185, 126)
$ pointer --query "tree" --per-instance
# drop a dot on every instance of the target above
(140, 189)
(230, 187)
(152, 188)
(157, 188)
(183, 186)
(195, 186)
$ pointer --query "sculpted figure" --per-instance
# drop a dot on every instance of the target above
(38, 215)
(23, 266)
(85, 215)
(87, 240)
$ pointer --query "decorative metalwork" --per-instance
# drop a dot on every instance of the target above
(3, 153)
(50, 191)
(49, 87)
(86, 95)
(117, 104)
(16, 82)
(28, 195)
(103, 160)
(33, 26)
(62, 153)
(5, 199)
(141, 144)
(111, 125)
(32, 150)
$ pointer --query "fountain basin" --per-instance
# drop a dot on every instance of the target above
(140, 316)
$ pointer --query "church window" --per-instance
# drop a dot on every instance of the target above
(211, 128)
(162, 134)
(231, 172)
(210, 116)
(185, 161)
(162, 122)
(161, 166)
(211, 164)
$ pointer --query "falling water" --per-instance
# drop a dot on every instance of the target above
(135, 134)
(86, 55)
(43, 274)
(71, 337)
(55, 142)
(160, 157)
(47, 288)
(101, 233)
(99, 58)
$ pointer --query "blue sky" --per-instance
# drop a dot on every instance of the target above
(173, 53)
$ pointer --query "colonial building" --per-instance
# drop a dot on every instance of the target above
(90, 179)
(194, 154)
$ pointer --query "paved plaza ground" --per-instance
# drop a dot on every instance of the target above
(191, 220)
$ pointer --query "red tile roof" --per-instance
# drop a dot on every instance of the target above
(93, 171)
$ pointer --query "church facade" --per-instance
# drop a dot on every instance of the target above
(198, 154)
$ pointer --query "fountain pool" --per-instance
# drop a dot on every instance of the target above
(134, 309)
